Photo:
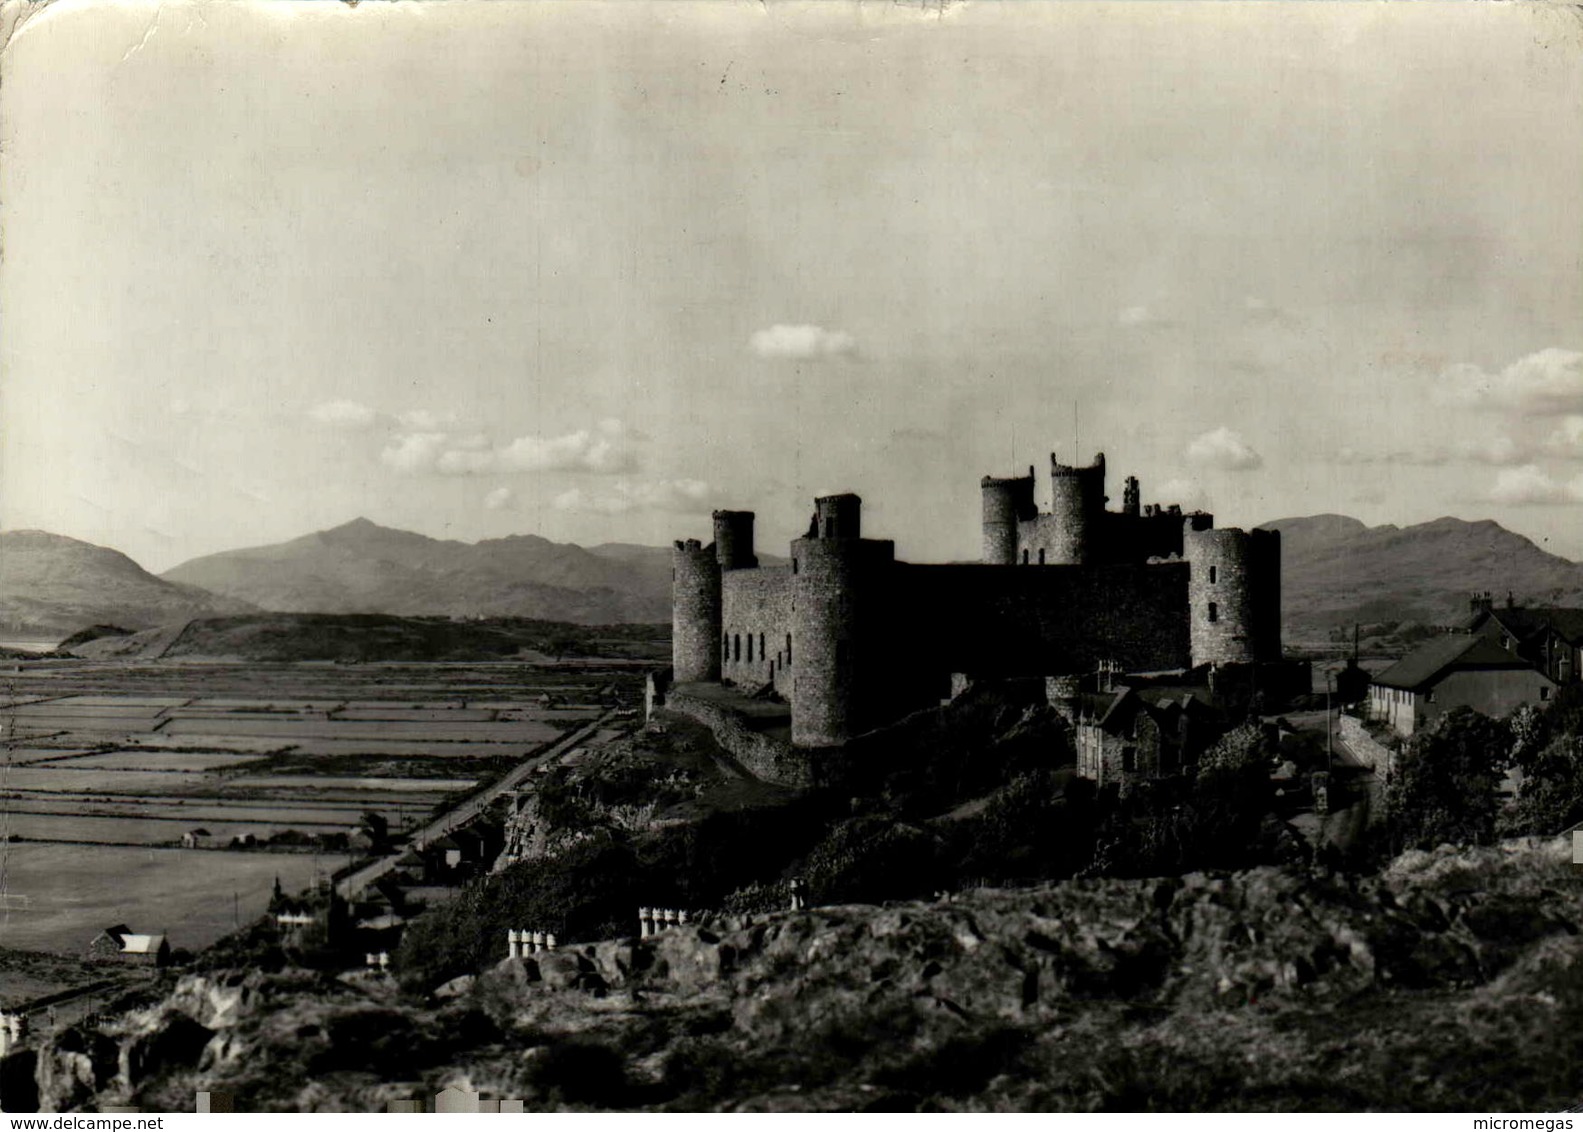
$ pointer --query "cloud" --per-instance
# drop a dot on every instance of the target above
(1495, 451)
(683, 496)
(425, 420)
(1567, 439)
(605, 450)
(343, 414)
(500, 499)
(1185, 492)
(414, 451)
(1546, 383)
(801, 343)
(1225, 450)
(1531, 485)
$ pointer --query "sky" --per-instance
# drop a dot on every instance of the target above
(590, 270)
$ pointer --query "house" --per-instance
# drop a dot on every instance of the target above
(1130, 734)
(121, 944)
(1456, 670)
(455, 850)
(1550, 638)
(199, 838)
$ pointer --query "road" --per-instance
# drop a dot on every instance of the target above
(470, 807)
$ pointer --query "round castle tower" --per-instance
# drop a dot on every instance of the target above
(734, 540)
(695, 612)
(1077, 506)
(824, 583)
(1006, 502)
(1233, 592)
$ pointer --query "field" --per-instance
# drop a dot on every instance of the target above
(104, 766)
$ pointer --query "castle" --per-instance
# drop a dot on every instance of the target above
(853, 639)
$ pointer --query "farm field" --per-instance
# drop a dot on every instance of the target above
(63, 895)
(105, 765)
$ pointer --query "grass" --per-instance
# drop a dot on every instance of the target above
(74, 891)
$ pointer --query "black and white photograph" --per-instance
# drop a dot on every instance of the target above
(791, 556)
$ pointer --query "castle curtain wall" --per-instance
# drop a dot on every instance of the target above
(755, 621)
(994, 621)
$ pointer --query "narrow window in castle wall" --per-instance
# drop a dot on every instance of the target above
(1214, 612)
(1024, 556)
(725, 645)
(750, 648)
(736, 647)
(1214, 573)
(1041, 556)
(788, 648)
(762, 653)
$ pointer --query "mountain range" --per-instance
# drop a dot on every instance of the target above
(361, 567)
(51, 585)
(1336, 571)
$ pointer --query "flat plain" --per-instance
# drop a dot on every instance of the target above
(105, 765)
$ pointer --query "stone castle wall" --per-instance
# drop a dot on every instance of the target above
(764, 756)
(756, 627)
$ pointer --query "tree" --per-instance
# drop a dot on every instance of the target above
(1444, 785)
(1551, 796)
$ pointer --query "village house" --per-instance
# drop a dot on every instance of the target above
(122, 945)
(1456, 670)
(199, 838)
(1550, 638)
(1131, 734)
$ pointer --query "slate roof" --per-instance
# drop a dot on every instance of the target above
(1425, 664)
(1524, 621)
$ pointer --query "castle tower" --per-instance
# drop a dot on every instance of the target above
(838, 517)
(1234, 592)
(1077, 504)
(1006, 502)
(695, 612)
(824, 623)
(734, 540)
(1130, 498)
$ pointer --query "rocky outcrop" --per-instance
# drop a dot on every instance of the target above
(1449, 981)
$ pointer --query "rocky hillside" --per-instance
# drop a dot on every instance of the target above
(51, 585)
(1453, 980)
(1337, 571)
(361, 567)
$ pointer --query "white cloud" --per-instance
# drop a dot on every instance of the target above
(414, 451)
(1496, 451)
(801, 343)
(500, 499)
(425, 420)
(1567, 439)
(1185, 492)
(1546, 383)
(1223, 449)
(684, 496)
(343, 414)
(604, 451)
(1532, 485)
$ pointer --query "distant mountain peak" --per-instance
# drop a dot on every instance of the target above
(362, 567)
